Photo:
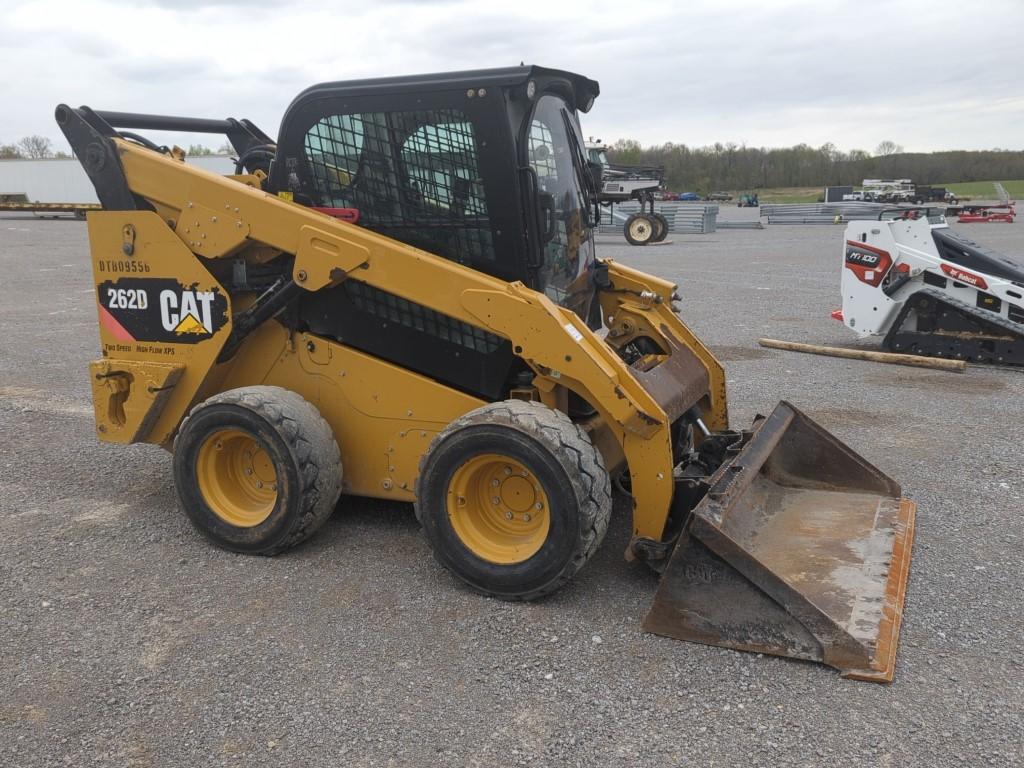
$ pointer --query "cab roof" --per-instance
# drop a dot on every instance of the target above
(583, 90)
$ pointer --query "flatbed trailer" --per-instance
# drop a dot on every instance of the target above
(46, 209)
(983, 213)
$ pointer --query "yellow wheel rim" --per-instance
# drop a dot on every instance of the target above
(237, 478)
(498, 509)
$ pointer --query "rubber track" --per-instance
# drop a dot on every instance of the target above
(310, 441)
(985, 318)
(574, 450)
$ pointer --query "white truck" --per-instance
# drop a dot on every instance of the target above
(888, 190)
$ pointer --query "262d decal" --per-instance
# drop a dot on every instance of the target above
(160, 309)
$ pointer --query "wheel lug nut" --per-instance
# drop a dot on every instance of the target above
(508, 515)
(248, 470)
(526, 517)
(538, 505)
(508, 470)
(495, 500)
(494, 482)
(259, 483)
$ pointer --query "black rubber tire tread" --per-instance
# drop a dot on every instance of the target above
(661, 228)
(572, 448)
(656, 225)
(311, 444)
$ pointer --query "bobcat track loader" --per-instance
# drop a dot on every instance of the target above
(927, 290)
(399, 298)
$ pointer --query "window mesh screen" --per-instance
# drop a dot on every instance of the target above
(387, 306)
(413, 176)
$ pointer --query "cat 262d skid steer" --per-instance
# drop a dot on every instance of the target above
(399, 298)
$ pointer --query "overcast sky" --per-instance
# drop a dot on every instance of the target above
(927, 75)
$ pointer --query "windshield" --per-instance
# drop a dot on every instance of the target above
(598, 156)
(555, 154)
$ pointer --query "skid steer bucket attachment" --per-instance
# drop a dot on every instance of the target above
(800, 548)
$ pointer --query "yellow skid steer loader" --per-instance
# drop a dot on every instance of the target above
(399, 298)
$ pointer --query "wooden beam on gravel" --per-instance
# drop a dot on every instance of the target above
(957, 366)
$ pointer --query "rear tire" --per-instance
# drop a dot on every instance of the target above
(659, 230)
(257, 469)
(662, 228)
(639, 229)
(513, 498)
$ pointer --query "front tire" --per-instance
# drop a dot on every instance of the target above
(257, 469)
(513, 498)
(639, 229)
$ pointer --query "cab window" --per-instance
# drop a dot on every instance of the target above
(413, 176)
(568, 247)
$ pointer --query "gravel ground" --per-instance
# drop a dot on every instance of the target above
(126, 640)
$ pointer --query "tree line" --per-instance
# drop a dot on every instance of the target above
(739, 167)
(37, 147)
(32, 147)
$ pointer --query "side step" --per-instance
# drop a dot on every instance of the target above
(800, 548)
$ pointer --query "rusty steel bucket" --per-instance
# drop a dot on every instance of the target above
(800, 548)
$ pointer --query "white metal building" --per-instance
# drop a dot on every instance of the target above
(64, 181)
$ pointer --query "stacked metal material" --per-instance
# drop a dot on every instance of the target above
(821, 213)
(739, 224)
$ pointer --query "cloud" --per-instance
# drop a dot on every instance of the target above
(925, 75)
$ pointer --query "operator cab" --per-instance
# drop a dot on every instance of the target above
(485, 168)
(598, 153)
